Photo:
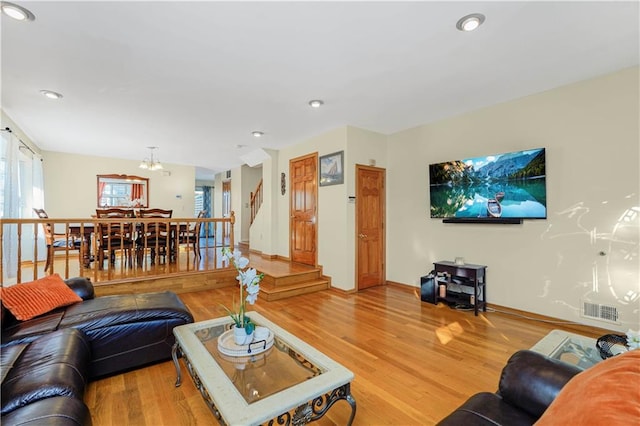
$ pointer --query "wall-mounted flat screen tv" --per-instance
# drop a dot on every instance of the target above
(502, 186)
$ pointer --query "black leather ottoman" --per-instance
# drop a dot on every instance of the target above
(127, 331)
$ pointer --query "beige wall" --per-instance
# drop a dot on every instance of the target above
(335, 216)
(332, 208)
(71, 191)
(362, 147)
(590, 132)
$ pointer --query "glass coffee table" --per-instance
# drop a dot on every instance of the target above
(572, 348)
(287, 382)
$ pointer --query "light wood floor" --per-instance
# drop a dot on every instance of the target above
(413, 362)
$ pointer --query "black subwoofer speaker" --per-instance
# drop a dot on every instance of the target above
(428, 288)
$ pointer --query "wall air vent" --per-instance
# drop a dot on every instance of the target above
(599, 312)
(228, 174)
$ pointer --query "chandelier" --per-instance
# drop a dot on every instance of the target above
(149, 163)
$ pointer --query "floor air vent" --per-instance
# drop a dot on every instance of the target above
(600, 312)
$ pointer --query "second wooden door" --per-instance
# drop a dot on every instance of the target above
(303, 176)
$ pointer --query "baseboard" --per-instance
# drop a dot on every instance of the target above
(342, 291)
(269, 256)
(587, 330)
(401, 285)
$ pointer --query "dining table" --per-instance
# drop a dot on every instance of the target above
(83, 231)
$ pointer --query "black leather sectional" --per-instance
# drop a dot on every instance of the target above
(47, 361)
(528, 384)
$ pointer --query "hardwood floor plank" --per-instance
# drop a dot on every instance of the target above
(413, 362)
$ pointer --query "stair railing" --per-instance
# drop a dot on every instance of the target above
(23, 245)
(256, 200)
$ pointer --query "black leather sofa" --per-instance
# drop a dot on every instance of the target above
(47, 360)
(528, 384)
(43, 381)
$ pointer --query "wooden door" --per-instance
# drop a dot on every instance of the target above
(303, 181)
(370, 226)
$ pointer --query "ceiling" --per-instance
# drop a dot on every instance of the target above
(196, 78)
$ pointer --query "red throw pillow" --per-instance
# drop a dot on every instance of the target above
(606, 394)
(34, 298)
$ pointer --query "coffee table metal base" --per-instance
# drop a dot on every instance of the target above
(303, 414)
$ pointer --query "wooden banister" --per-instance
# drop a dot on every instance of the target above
(21, 238)
(256, 200)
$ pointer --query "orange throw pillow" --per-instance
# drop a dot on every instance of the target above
(34, 298)
(606, 394)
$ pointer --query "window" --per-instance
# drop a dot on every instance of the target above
(199, 201)
(122, 191)
(115, 195)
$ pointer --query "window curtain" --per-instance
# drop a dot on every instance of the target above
(38, 182)
(136, 192)
(206, 200)
(37, 200)
(101, 187)
(207, 229)
(10, 204)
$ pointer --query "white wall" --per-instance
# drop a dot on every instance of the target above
(250, 178)
(217, 195)
(6, 121)
(71, 184)
(236, 202)
(264, 228)
(591, 134)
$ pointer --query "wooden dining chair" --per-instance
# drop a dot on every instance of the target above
(56, 241)
(191, 235)
(155, 236)
(114, 236)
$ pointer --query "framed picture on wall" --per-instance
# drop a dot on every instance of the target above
(332, 169)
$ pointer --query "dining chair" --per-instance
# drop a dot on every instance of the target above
(112, 236)
(191, 235)
(56, 241)
(155, 236)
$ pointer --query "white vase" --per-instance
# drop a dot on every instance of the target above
(241, 337)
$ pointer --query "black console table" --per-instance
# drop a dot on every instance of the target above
(455, 276)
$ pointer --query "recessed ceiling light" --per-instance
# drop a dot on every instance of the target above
(470, 22)
(257, 134)
(316, 103)
(50, 94)
(16, 12)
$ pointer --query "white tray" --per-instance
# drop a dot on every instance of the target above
(228, 346)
